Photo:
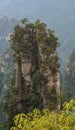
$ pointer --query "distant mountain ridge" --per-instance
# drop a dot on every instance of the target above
(6, 28)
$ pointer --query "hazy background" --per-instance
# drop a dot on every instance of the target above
(59, 15)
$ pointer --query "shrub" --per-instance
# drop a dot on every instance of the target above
(47, 120)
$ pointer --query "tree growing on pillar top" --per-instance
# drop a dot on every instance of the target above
(37, 68)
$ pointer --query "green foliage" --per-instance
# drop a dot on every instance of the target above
(69, 107)
(9, 109)
(53, 99)
(34, 100)
(35, 41)
(1, 126)
(21, 40)
(47, 120)
(39, 79)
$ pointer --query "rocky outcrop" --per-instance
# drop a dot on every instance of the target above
(24, 84)
(37, 66)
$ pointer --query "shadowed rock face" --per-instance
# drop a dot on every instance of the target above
(24, 84)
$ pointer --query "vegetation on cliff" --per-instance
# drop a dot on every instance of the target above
(35, 45)
(36, 83)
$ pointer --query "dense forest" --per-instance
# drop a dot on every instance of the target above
(32, 90)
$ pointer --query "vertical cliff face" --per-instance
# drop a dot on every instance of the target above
(58, 91)
(37, 67)
(26, 74)
(49, 91)
(23, 82)
(52, 88)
